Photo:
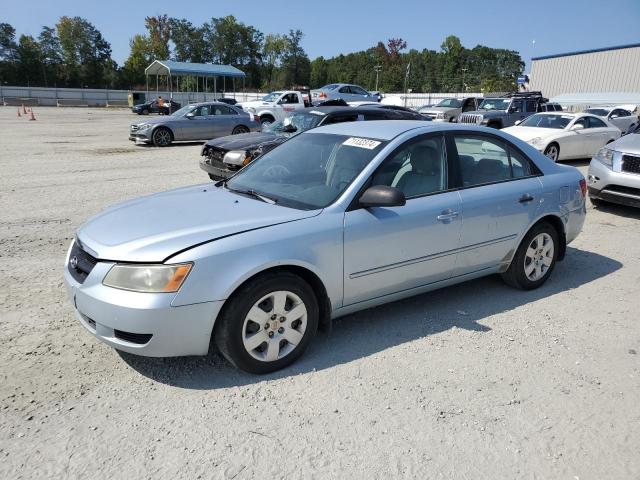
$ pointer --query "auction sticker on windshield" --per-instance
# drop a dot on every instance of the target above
(361, 143)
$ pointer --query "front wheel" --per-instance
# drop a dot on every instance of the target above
(268, 323)
(162, 137)
(239, 129)
(552, 151)
(535, 258)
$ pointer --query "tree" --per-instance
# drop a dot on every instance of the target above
(188, 41)
(28, 57)
(159, 28)
(51, 55)
(272, 53)
(8, 49)
(139, 59)
(296, 67)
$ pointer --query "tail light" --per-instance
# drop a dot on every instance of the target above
(583, 187)
(322, 95)
(256, 117)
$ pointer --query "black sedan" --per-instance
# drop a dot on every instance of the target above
(224, 156)
(153, 107)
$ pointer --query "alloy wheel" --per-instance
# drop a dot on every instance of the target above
(539, 257)
(162, 137)
(552, 152)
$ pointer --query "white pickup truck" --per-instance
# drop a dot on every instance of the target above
(275, 106)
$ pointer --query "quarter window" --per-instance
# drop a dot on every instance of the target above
(222, 110)
(596, 122)
(485, 160)
(417, 169)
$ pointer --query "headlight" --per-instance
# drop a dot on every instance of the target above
(535, 141)
(482, 121)
(237, 157)
(144, 126)
(605, 156)
(147, 278)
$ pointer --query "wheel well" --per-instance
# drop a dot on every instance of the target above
(267, 116)
(559, 226)
(242, 126)
(324, 304)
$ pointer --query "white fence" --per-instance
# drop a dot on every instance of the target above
(103, 97)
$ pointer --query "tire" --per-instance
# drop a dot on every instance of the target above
(240, 129)
(264, 121)
(524, 273)
(552, 151)
(254, 316)
(145, 112)
(162, 137)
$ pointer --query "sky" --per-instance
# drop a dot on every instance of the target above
(533, 28)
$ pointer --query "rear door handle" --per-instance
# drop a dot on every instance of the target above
(447, 214)
(526, 198)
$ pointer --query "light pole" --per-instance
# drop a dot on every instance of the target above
(377, 68)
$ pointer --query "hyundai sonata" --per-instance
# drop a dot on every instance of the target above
(335, 220)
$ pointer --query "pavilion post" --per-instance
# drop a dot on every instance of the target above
(206, 87)
(215, 85)
(147, 94)
(233, 83)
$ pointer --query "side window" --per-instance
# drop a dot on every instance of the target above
(201, 111)
(222, 110)
(482, 160)
(345, 90)
(358, 91)
(582, 121)
(341, 118)
(531, 105)
(517, 106)
(520, 166)
(416, 169)
(595, 122)
(382, 115)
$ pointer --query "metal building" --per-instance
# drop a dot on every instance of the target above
(603, 70)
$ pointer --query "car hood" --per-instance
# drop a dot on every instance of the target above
(438, 110)
(627, 144)
(155, 120)
(528, 133)
(243, 140)
(487, 113)
(153, 228)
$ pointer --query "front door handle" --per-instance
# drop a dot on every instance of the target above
(526, 198)
(447, 214)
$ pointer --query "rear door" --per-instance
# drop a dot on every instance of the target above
(599, 135)
(500, 194)
(387, 250)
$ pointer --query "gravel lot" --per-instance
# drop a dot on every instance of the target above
(475, 381)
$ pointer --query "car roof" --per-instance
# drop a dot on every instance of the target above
(337, 109)
(380, 129)
(213, 102)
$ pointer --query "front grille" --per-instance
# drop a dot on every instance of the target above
(470, 118)
(622, 189)
(137, 338)
(80, 263)
(630, 164)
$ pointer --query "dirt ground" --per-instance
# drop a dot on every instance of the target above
(471, 382)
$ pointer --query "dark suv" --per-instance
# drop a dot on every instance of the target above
(505, 111)
(222, 157)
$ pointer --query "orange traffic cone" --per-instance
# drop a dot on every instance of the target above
(24, 110)
(19, 112)
(32, 117)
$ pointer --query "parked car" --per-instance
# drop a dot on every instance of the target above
(562, 136)
(228, 101)
(152, 107)
(199, 121)
(621, 118)
(376, 95)
(275, 106)
(411, 114)
(550, 107)
(335, 220)
(306, 93)
(448, 109)
(345, 91)
(501, 112)
(223, 157)
(614, 173)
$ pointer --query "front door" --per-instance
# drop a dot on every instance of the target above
(500, 197)
(387, 250)
(198, 126)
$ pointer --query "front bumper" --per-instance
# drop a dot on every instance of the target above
(613, 186)
(140, 323)
(138, 136)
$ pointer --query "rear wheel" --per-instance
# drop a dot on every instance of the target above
(268, 323)
(239, 129)
(162, 137)
(535, 258)
(552, 151)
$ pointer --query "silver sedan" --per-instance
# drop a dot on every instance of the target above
(335, 220)
(198, 121)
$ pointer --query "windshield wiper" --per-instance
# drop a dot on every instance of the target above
(253, 194)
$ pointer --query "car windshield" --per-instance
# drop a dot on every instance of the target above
(183, 111)
(450, 102)
(308, 171)
(495, 104)
(331, 86)
(547, 121)
(271, 97)
(600, 112)
(301, 121)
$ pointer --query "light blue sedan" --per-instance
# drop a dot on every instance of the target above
(335, 220)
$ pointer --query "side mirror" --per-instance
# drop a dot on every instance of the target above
(518, 122)
(382, 196)
(190, 115)
(577, 126)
